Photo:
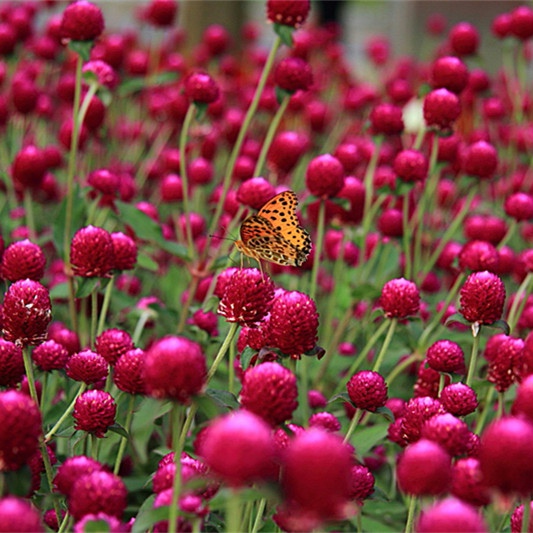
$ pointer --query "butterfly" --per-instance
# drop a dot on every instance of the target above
(274, 234)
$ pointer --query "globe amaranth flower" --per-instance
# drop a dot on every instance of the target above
(104, 73)
(411, 165)
(23, 260)
(446, 356)
(288, 12)
(82, 21)
(324, 176)
(112, 343)
(505, 456)
(22, 416)
(11, 364)
(18, 514)
(362, 483)
(400, 298)
(255, 192)
(519, 206)
(326, 421)
(482, 298)
(247, 297)
(128, 372)
(467, 482)
(424, 469)
(367, 390)
(124, 251)
(441, 108)
(517, 518)
(450, 73)
(239, 448)
(92, 253)
(480, 159)
(174, 368)
(270, 391)
(94, 412)
(464, 39)
(450, 514)
(72, 469)
(293, 74)
(29, 167)
(50, 355)
(87, 366)
(293, 323)
(479, 255)
(201, 88)
(64, 336)
(504, 354)
(95, 519)
(521, 22)
(161, 13)
(26, 313)
(386, 119)
(459, 399)
(97, 492)
(448, 431)
(322, 491)
(417, 411)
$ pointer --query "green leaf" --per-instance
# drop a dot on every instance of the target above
(343, 396)
(285, 33)
(365, 291)
(144, 227)
(223, 398)
(281, 94)
(365, 438)
(119, 430)
(135, 85)
(146, 262)
(500, 324)
(246, 356)
(174, 248)
(59, 291)
(148, 516)
(96, 526)
(386, 412)
(457, 318)
(86, 286)
(82, 48)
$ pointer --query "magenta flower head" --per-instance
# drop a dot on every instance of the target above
(161, 13)
(467, 482)
(255, 192)
(72, 469)
(82, 21)
(417, 411)
(17, 514)
(91, 253)
(326, 421)
(386, 119)
(26, 313)
(322, 491)
(87, 366)
(446, 356)
(362, 485)
(128, 372)
(270, 391)
(479, 255)
(29, 167)
(505, 456)
(50, 355)
(367, 390)
(293, 323)
(441, 108)
(519, 206)
(247, 297)
(400, 298)
(480, 159)
(448, 431)
(175, 368)
(424, 469)
(504, 354)
(97, 492)
(11, 364)
(21, 260)
(239, 449)
(521, 22)
(90, 520)
(450, 514)
(482, 298)
(450, 73)
(464, 39)
(293, 74)
(459, 399)
(94, 412)
(288, 12)
(112, 343)
(324, 176)
(104, 73)
(124, 251)
(411, 166)
(201, 88)
(22, 416)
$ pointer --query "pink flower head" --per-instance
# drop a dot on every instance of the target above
(324, 176)
(441, 108)
(91, 252)
(201, 88)
(18, 514)
(288, 12)
(87, 366)
(112, 343)
(105, 75)
(400, 298)
(367, 390)
(450, 514)
(11, 364)
(50, 355)
(82, 21)
(482, 297)
(94, 412)
(446, 356)
(293, 74)
(21, 260)
(459, 399)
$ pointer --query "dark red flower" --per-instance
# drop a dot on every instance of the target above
(467, 482)
(201, 88)
(324, 176)
(446, 356)
(367, 390)
(482, 297)
(11, 364)
(450, 514)
(448, 431)
(459, 399)
(450, 73)
(411, 165)
(91, 252)
(519, 206)
(479, 255)
(293, 74)
(22, 260)
(521, 22)
(50, 355)
(29, 167)
(362, 485)
(72, 469)
(82, 21)
(87, 366)
(504, 354)
(326, 421)
(288, 12)
(386, 119)
(161, 13)
(128, 372)
(400, 298)
(417, 412)
(464, 39)
(17, 514)
(441, 108)
(112, 343)
(480, 159)
(94, 412)
(255, 192)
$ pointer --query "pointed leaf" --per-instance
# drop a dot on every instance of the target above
(86, 286)
(246, 356)
(285, 33)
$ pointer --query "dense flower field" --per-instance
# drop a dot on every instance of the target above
(248, 290)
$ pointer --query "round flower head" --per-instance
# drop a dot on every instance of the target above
(459, 399)
(467, 482)
(519, 206)
(505, 456)
(325, 421)
(464, 39)
(521, 22)
(161, 13)
(482, 298)
(112, 343)
(480, 159)
(72, 469)
(98, 492)
(424, 469)
(448, 431)
(362, 484)
(286, 150)
(386, 119)
(417, 412)
(124, 251)
(270, 391)
(293, 74)
(324, 176)
(517, 519)
(18, 515)
(288, 12)
(441, 108)
(247, 297)
(411, 165)
(450, 73)
(255, 192)
(174, 368)
(104, 181)
(293, 323)
(64, 336)
(104, 73)
(446, 356)
(50, 355)
(92, 519)
(400, 298)
(11, 364)
(94, 412)
(451, 515)
(22, 260)
(504, 354)
(316, 474)
(367, 390)
(91, 253)
(316, 399)
(26, 313)
(82, 21)
(128, 372)
(87, 366)
(479, 255)
(201, 88)
(239, 448)
(29, 167)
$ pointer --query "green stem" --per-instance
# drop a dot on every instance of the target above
(356, 418)
(94, 317)
(273, 127)
(259, 515)
(177, 431)
(105, 305)
(519, 301)
(407, 238)
(28, 211)
(124, 440)
(28, 367)
(233, 511)
(303, 388)
(318, 247)
(410, 514)
(527, 513)
(139, 327)
(487, 407)
(400, 367)
(67, 412)
(513, 224)
(392, 327)
(222, 350)
(476, 330)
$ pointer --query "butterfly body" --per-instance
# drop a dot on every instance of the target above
(274, 234)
